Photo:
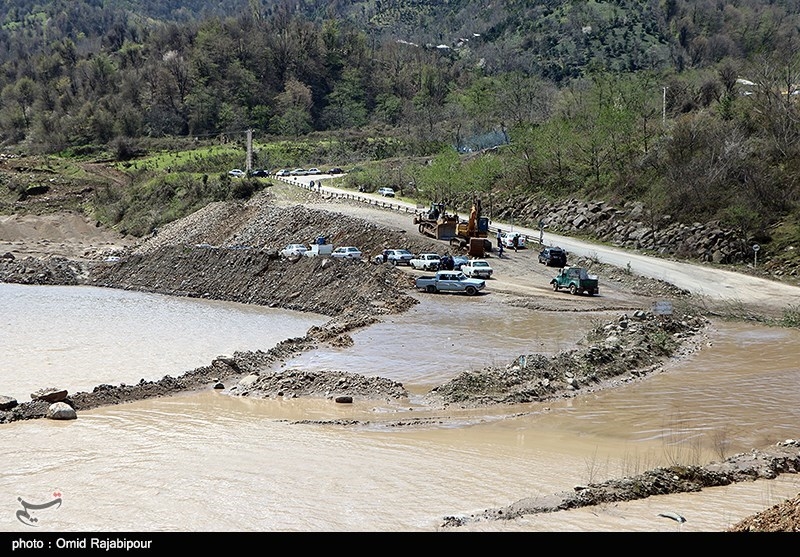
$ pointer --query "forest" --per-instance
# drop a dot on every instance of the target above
(687, 106)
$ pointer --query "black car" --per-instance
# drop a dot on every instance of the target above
(336, 170)
(261, 173)
(553, 257)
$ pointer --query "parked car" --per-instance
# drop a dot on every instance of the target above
(508, 240)
(450, 281)
(283, 172)
(395, 257)
(477, 268)
(335, 170)
(426, 262)
(577, 280)
(261, 173)
(553, 257)
(294, 250)
(386, 192)
(311, 171)
(346, 252)
(237, 173)
(297, 172)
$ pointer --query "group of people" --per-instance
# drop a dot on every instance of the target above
(501, 243)
(447, 263)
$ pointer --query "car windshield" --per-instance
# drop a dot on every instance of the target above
(480, 264)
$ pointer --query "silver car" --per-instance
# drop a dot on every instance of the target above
(293, 250)
(395, 257)
(346, 252)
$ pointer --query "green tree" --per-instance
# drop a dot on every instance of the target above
(430, 100)
(23, 94)
(441, 180)
(293, 110)
(346, 106)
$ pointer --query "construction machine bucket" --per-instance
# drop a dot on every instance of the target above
(477, 247)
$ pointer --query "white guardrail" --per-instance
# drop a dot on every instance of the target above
(327, 192)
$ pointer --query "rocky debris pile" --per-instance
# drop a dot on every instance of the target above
(221, 369)
(310, 284)
(630, 227)
(614, 352)
(783, 517)
(229, 251)
(293, 383)
(259, 224)
(782, 458)
(33, 270)
(49, 400)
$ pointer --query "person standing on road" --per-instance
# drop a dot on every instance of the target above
(515, 241)
(499, 238)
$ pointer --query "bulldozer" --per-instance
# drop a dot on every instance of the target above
(473, 233)
(436, 223)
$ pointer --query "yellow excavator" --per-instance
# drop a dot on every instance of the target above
(473, 233)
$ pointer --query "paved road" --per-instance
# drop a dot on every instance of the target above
(704, 282)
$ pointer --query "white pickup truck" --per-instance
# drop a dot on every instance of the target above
(425, 262)
(451, 281)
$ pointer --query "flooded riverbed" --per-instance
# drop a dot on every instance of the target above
(210, 462)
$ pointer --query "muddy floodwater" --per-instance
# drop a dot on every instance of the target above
(212, 462)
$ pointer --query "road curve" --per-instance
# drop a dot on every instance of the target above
(704, 281)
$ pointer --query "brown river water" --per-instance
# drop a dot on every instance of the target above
(211, 462)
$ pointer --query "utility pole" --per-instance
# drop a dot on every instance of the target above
(249, 163)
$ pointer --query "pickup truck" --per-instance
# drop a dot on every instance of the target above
(450, 281)
(577, 280)
(426, 262)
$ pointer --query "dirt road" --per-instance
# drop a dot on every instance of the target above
(521, 273)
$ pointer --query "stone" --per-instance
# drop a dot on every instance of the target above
(226, 360)
(7, 402)
(248, 381)
(49, 394)
(61, 411)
